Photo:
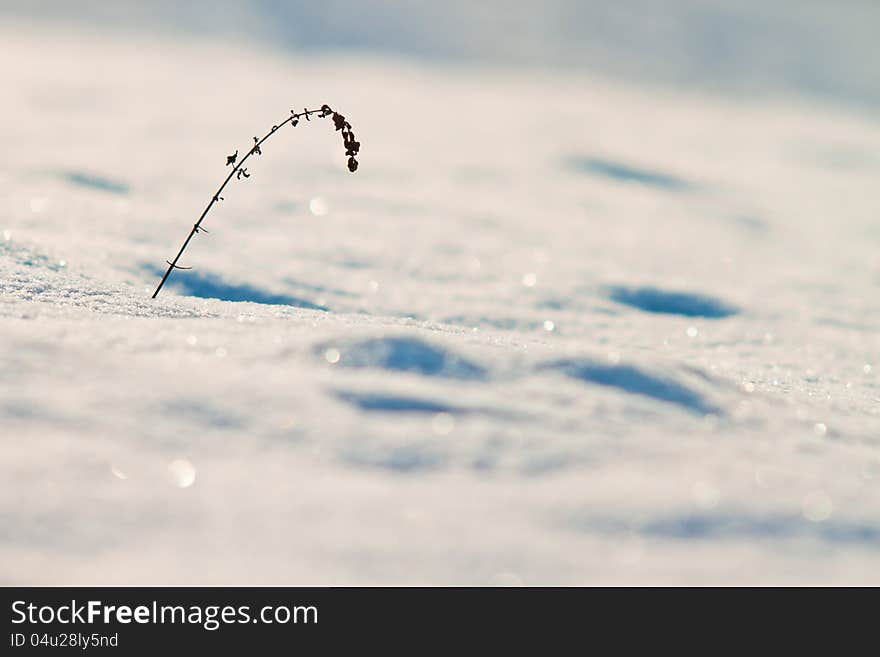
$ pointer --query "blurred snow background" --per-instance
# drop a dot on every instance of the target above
(814, 47)
(598, 307)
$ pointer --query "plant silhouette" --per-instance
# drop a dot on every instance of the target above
(352, 148)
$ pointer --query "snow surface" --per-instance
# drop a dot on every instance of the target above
(557, 329)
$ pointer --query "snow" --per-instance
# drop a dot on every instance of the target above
(559, 328)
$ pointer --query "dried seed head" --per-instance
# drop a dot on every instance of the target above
(352, 147)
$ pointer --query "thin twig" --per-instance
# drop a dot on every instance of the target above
(352, 148)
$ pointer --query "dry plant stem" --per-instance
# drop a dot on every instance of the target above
(324, 112)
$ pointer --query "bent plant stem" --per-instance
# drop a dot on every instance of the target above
(238, 170)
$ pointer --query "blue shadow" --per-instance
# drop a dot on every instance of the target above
(652, 300)
(634, 381)
(393, 404)
(408, 355)
(209, 286)
(721, 526)
(628, 174)
(735, 526)
(96, 182)
(406, 459)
